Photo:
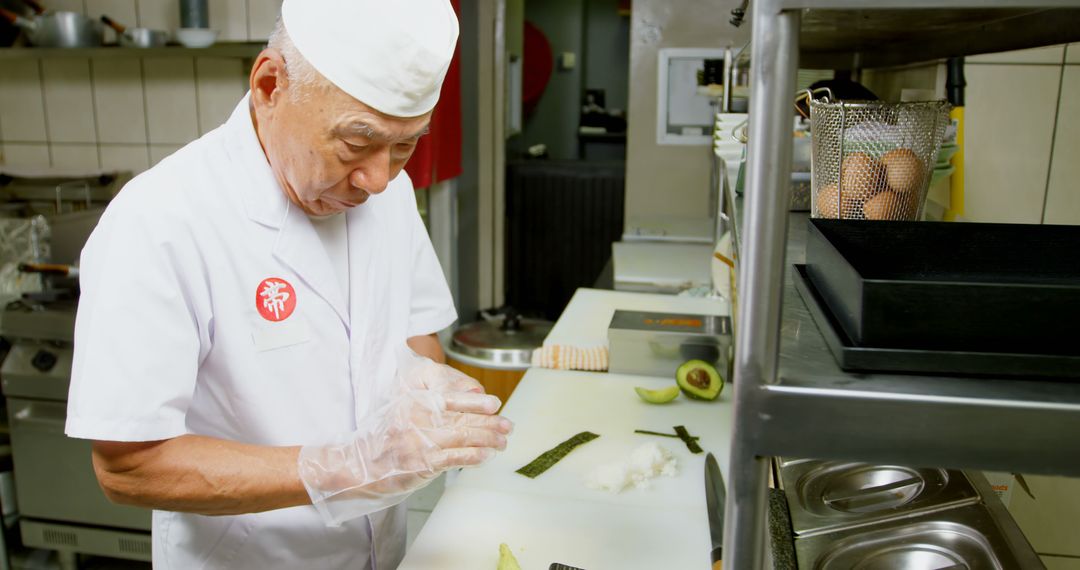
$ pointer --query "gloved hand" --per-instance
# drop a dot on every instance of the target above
(440, 419)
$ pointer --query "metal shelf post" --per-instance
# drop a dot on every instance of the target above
(761, 282)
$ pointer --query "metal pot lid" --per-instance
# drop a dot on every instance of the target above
(504, 343)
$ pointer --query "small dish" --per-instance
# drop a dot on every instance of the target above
(196, 37)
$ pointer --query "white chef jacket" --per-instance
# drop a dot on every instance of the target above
(170, 339)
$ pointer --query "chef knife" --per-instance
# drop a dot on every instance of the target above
(715, 495)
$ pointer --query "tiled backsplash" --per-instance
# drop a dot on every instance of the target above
(116, 112)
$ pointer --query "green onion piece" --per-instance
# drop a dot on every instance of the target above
(675, 435)
(689, 440)
(555, 454)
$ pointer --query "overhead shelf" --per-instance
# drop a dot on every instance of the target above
(227, 49)
(867, 38)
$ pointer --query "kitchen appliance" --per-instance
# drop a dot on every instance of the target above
(656, 344)
(136, 37)
(715, 497)
(57, 29)
(61, 505)
(497, 350)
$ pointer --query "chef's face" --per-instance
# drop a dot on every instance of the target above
(329, 151)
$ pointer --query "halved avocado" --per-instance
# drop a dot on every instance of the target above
(658, 396)
(699, 380)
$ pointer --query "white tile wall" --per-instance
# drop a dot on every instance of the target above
(262, 14)
(25, 155)
(81, 157)
(135, 158)
(122, 11)
(1061, 563)
(123, 113)
(229, 17)
(1009, 121)
(1049, 520)
(118, 100)
(1072, 53)
(159, 14)
(66, 5)
(1048, 55)
(1063, 193)
(69, 102)
(221, 83)
(22, 106)
(160, 151)
(171, 102)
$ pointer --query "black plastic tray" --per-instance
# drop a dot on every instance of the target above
(950, 286)
(855, 358)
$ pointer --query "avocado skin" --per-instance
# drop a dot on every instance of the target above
(716, 382)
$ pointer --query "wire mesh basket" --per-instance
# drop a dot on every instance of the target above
(873, 160)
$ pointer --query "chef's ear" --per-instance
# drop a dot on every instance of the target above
(268, 78)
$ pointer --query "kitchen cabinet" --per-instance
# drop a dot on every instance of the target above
(786, 381)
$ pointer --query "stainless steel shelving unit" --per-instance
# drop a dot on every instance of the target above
(790, 396)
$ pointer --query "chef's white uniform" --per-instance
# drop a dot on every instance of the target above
(169, 338)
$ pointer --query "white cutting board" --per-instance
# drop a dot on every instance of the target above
(660, 267)
(584, 322)
(550, 406)
(464, 532)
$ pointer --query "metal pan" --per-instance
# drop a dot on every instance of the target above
(57, 29)
(137, 37)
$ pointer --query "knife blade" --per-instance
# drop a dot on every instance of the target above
(715, 496)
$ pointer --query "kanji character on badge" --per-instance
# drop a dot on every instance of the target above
(275, 299)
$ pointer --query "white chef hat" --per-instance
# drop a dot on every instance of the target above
(391, 55)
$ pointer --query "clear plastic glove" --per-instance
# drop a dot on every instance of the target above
(438, 419)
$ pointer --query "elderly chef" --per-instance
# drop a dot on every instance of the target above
(240, 354)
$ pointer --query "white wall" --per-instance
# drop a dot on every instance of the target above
(124, 112)
(668, 181)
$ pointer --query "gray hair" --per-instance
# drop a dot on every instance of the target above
(303, 77)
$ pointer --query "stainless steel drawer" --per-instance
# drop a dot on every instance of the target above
(54, 478)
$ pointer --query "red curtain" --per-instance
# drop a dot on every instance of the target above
(438, 154)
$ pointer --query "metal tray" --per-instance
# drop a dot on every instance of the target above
(949, 286)
(961, 538)
(828, 496)
(851, 357)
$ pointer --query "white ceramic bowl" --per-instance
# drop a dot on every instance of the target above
(196, 37)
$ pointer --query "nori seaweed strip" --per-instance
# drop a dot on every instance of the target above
(555, 454)
(675, 435)
(689, 440)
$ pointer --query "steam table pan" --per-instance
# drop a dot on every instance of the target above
(991, 288)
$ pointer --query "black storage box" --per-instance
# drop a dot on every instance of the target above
(1011, 288)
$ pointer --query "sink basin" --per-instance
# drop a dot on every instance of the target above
(827, 496)
(959, 539)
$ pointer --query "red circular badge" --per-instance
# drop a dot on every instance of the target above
(275, 299)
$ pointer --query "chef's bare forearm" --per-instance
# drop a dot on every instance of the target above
(197, 474)
(428, 345)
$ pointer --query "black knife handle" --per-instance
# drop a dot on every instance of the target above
(717, 558)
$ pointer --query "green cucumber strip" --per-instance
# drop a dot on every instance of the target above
(555, 454)
(675, 435)
(689, 440)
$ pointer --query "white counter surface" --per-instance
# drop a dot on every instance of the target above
(556, 517)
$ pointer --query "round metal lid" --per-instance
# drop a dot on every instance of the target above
(507, 343)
